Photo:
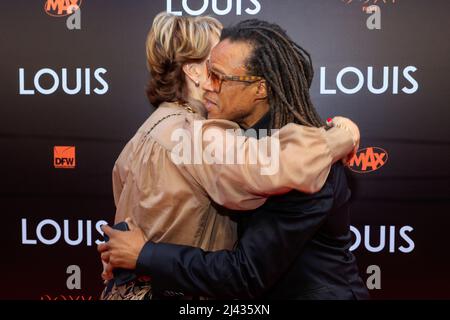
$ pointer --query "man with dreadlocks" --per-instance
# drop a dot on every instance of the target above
(295, 246)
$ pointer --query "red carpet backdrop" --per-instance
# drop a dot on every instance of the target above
(73, 75)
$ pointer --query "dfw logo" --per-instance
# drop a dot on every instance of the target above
(62, 8)
(368, 160)
(64, 157)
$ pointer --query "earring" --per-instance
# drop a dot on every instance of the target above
(197, 84)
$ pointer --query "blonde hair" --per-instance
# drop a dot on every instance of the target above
(172, 42)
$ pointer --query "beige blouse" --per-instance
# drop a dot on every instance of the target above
(175, 202)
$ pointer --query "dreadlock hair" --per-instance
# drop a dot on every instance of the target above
(286, 67)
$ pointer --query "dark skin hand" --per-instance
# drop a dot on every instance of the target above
(122, 250)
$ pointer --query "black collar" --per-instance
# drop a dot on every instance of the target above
(263, 123)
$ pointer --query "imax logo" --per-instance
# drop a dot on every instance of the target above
(61, 8)
(226, 6)
(368, 160)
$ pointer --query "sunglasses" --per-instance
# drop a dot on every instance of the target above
(217, 79)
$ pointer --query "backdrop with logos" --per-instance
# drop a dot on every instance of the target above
(73, 77)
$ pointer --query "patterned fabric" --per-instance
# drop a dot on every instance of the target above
(134, 290)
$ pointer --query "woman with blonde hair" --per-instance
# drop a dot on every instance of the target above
(175, 202)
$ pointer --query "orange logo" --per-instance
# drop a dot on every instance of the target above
(61, 8)
(64, 157)
(368, 160)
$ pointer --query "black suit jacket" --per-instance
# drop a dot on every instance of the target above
(295, 246)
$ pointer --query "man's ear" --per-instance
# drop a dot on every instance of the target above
(192, 71)
(261, 90)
